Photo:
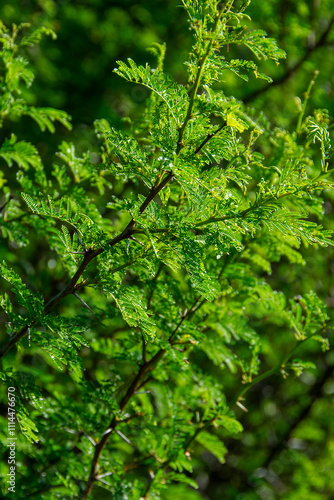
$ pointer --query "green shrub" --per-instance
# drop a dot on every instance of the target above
(150, 312)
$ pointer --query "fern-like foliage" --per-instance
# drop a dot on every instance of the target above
(32, 303)
(16, 70)
(21, 152)
(150, 310)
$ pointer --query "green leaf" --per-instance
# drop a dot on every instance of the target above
(45, 117)
(129, 153)
(172, 94)
(213, 444)
(132, 308)
(33, 302)
(23, 153)
(229, 423)
(299, 365)
(28, 427)
(16, 70)
(262, 46)
(182, 478)
(35, 36)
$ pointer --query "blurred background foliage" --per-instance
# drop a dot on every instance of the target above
(287, 449)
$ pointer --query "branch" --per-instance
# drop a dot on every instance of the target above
(307, 188)
(315, 393)
(211, 220)
(206, 425)
(89, 255)
(124, 401)
(266, 374)
(135, 384)
(208, 137)
(196, 84)
(320, 43)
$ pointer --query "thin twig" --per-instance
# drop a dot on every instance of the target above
(123, 437)
(98, 478)
(104, 475)
(143, 349)
(89, 438)
(208, 138)
(83, 302)
(137, 241)
(80, 241)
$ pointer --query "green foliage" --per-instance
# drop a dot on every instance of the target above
(174, 96)
(212, 444)
(22, 153)
(15, 70)
(153, 313)
(132, 309)
(31, 302)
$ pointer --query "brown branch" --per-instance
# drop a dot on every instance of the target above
(208, 137)
(290, 72)
(315, 393)
(137, 382)
(207, 424)
(146, 367)
(89, 255)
